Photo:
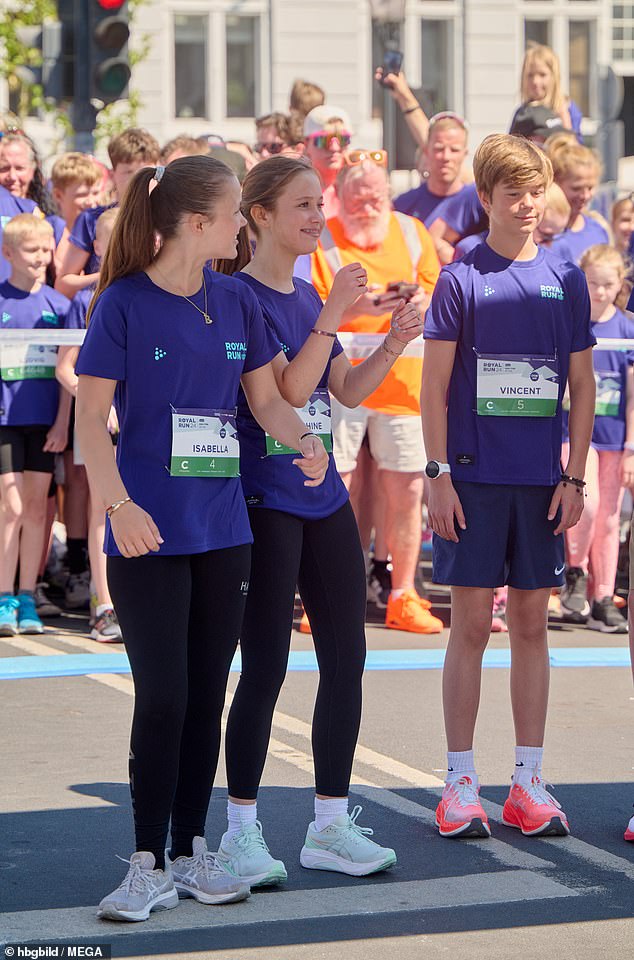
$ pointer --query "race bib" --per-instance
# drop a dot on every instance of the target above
(28, 361)
(316, 417)
(204, 444)
(510, 385)
(608, 400)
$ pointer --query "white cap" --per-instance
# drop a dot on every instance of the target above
(320, 117)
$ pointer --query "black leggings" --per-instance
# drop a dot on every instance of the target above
(181, 618)
(324, 558)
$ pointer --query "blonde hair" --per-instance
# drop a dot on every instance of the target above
(566, 154)
(185, 144)
(25, 225)
(604, 254)
(133, 145)
(556, 200)
(304, 96)
(504, 158)
(74, 168)
(618, 208)
(538, 53)
(447, 123)
(106, 222)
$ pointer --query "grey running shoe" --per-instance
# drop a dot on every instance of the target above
(606, 618)
(77, 593)
(43, 605)
(142, 890)
(106, 628)
(345, 847)
(574, 596)
(206, 878)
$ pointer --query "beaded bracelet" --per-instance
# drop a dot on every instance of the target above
(575, 481)
(115, 506)
(323, 333)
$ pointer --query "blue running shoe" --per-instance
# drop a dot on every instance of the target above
(28, 620)
(8, 615)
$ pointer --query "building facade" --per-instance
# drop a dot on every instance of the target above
(214, 65)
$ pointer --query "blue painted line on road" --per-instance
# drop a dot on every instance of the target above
(80, 664)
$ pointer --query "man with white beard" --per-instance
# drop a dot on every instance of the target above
(394, 249)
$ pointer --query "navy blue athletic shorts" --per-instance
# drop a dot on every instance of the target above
(509, 539)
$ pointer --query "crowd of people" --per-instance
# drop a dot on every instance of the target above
(211, 448)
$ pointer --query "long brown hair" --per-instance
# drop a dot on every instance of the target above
(263, 186)
(187, 185)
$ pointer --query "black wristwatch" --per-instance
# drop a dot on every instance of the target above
(434, 469)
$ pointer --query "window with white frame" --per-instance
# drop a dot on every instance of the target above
(623, 31)
(190, 65)
(217, 65)
(436, 61)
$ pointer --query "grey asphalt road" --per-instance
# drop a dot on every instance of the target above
(64, 814)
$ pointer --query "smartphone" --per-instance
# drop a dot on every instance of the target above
(392, 63)
(405, 290)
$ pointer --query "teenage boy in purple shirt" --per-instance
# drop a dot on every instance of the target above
(508, 327)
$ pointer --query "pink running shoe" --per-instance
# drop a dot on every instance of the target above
(534, 811)
(460, 813)
(629, 833)
(498, 621)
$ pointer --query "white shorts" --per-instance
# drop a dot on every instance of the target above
(396, 442)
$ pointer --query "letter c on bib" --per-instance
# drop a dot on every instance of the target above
(185, 465)
(489, 405)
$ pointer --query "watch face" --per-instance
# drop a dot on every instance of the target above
(432, 469)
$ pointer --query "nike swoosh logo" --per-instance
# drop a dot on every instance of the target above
(559, 570)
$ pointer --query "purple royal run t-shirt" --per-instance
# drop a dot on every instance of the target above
(270, 479)
(165, 358)
(515, 324)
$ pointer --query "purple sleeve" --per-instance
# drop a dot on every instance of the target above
(579, 299)
(262, 344)
(464, 213)
(103, 352)
(443, 320)
(76, 317)
(80, 234)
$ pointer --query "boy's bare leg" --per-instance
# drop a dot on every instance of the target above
(36, 486)
(11, 513)
(527, 619)
(471, 609)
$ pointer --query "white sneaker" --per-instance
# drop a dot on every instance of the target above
(142, 890)
(205, 878)
(106, 628)
(246, 855)
(77, 592)
(345, 847)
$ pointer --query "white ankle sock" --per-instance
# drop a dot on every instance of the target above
(460, 763)
(528, 763)
(326, 811)
(240, 815)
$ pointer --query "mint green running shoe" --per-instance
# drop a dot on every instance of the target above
(8, 615)
(246, 856)
(345, 847)
(28, 620)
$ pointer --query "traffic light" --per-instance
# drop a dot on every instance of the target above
(109, 32)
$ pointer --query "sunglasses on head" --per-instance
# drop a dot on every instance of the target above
(323, 140)
(354, 157)
(449, 115)
(272, 148)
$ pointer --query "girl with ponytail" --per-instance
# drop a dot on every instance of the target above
(172, 342)
(300, 538)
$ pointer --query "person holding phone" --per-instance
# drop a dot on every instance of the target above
(393, 248)
(300, 538)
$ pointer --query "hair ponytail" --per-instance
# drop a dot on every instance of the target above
(242, 257)
(133, 240)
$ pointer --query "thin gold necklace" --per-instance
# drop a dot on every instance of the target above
(205, 312)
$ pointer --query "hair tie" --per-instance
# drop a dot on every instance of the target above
(158, 174)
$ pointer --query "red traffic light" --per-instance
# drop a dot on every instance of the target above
(110, 4)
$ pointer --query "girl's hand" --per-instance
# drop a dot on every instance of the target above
(349, 284)
(407, 323)
(314, 461)
(56, 439)
(571, 500)
(134, 531)
(627, 469)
